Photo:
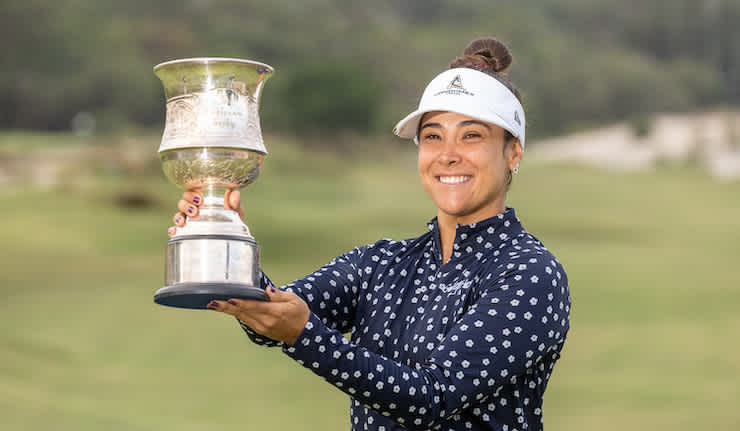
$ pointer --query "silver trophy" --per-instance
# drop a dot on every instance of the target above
(212, 142)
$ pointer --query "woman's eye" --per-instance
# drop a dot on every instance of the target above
(430, 136)
(471, 135)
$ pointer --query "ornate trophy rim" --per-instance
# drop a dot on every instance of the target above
(213, 60)
(212, 102)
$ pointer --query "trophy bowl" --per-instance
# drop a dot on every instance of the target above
(212, 143)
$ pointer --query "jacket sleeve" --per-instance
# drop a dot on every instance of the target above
(330, 293)
(520, 317)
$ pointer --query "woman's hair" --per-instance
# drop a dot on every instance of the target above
(491, 57)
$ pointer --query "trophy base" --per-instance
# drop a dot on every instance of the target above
(198, 295)
(203, 268)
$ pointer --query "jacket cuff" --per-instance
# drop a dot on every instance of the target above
(308, 341)
(257, 338)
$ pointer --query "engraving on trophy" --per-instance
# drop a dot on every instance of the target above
(228, 113)
(217, 118)
(181, 116)
(253, 131)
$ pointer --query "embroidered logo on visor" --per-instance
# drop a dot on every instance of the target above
(456, 83)
(455, 87)
(516, 118)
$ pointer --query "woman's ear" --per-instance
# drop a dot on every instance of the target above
(514, 154)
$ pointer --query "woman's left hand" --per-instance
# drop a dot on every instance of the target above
(282, 318)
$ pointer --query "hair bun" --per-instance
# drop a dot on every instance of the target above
(485, 53)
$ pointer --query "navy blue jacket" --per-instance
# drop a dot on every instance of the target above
(468, 344)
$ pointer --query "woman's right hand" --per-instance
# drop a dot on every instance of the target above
(191, 202)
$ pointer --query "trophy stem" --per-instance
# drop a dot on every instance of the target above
(212, 211)
(213, 197)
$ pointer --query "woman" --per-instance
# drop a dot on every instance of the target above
(459, 328)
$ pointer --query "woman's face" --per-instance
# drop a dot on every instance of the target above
(463, 164)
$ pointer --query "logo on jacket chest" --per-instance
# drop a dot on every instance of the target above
(455, 287)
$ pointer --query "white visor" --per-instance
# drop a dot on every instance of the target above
(469, 92)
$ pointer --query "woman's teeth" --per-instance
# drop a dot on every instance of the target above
(454, 180)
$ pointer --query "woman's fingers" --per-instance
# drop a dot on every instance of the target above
(193, 197)
(281, 318)
(244, 311)
(240, 307)
(179, 219)
(187, 208)
(232, 201)
(241, 311)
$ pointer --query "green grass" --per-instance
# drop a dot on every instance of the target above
(651, 259)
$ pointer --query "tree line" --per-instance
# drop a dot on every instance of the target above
(359, 66)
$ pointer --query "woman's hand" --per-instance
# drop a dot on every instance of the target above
(282, 318)
(191, 201)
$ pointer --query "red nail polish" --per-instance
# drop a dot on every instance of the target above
(196, 200)
(272, 288)
(191, 210)
(231, 301)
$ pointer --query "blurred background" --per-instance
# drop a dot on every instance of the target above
(631, 177)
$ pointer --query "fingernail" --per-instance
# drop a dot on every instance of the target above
(191, 210)
(178, 219)
(212, 304)
(196, 200)
(272, 288)
(171, 231)
(231, 301)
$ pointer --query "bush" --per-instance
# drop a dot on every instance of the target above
(322, 99)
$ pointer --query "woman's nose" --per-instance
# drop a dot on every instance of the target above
(449, 155)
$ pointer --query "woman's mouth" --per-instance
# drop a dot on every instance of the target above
(453, 179)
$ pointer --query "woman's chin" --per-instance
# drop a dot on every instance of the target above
(469, 214)
(455, 211)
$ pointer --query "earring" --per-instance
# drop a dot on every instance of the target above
(516, 168)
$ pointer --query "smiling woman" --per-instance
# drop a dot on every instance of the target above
(459, 328)
(470, 131)
(464, 165)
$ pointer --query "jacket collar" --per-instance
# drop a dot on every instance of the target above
(476, 237)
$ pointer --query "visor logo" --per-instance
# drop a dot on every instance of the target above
(456, 84)
(516, 118)
(455, 87)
